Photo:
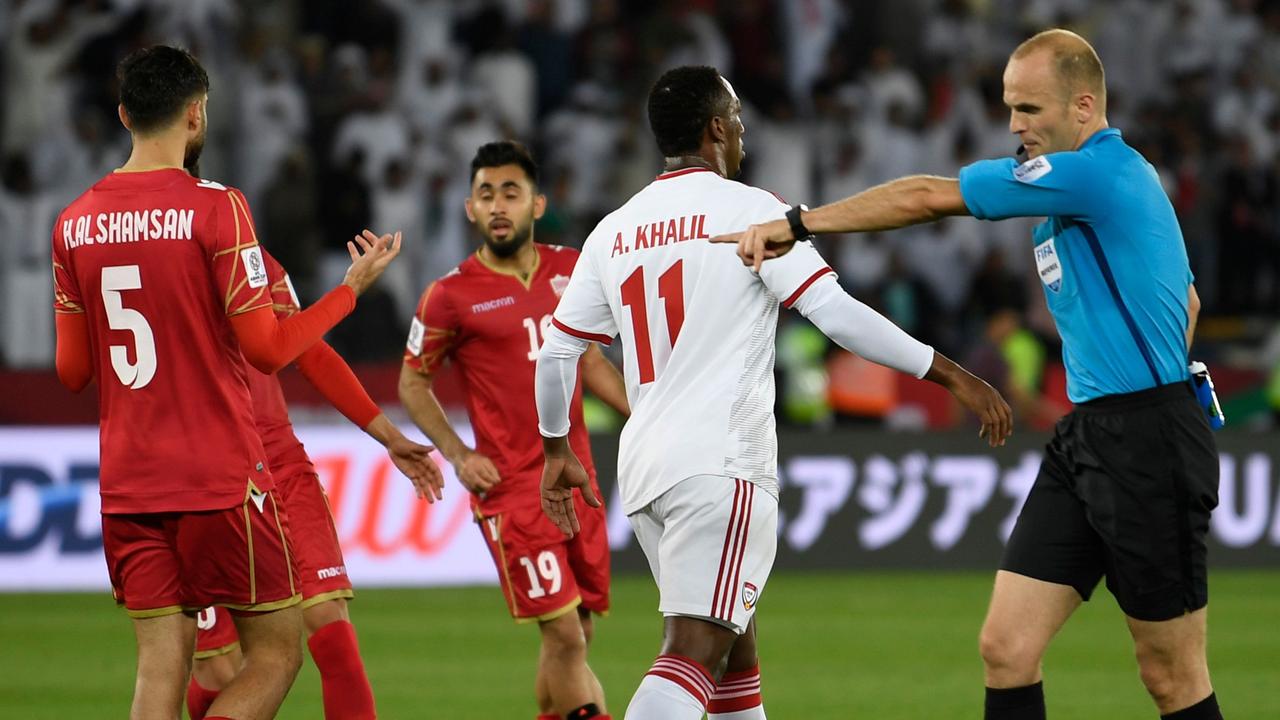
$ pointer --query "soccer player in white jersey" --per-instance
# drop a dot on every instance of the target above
(697, 463)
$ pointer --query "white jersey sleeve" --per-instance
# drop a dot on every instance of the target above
(789, 276)
(584, 310)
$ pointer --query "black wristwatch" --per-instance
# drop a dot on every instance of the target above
(798, 230)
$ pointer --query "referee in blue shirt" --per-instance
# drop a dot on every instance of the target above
(1130, 477)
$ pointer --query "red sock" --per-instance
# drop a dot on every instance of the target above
(736, 691)
(347, 695)
(199, 699)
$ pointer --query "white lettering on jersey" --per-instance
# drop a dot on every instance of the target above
(1032, 170)
(254, 268)
(128, 226)
(488, 305)
(1048, 265)
(417, 331)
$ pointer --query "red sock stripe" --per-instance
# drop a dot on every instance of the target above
(737, 691)
(724, 553)
(749, 499)
(687, 674)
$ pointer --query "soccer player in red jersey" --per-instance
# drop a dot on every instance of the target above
(488, 316)
(161, 294)
(317, 555)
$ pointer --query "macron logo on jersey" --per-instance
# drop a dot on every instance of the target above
(1032, 170)
(255, 268)
(488, 305)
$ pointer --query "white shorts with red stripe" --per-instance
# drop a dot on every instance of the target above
(710, 541)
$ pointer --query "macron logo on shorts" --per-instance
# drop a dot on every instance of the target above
(331, 572)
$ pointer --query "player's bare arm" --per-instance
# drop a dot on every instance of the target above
(561, 473)
(906, 201)
(980, 398)
(603, 380)
(476, 472)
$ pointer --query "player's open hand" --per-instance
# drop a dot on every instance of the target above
(561, 473)
(414, 460)
(761, 242)
(476, 472)
(370, 255)
(985, 402)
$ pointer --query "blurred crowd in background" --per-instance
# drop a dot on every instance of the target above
(333, 116)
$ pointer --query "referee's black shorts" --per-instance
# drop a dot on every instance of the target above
(1125, 490)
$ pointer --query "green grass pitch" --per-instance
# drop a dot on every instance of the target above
(883, 645)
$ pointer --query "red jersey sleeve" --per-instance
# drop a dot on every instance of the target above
(284, 301)
(433, 332)
(66, 291)
(239, 269)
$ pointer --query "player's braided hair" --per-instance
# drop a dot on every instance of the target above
(681, 104)
(505, 152)
(156, 83)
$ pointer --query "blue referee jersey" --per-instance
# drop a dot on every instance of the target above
(1110, 256)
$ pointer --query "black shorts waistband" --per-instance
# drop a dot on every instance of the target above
(1135, 400)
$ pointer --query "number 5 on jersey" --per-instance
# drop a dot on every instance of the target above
(671, 292)
(136, 375)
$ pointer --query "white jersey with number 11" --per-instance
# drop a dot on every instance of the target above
(698, 329)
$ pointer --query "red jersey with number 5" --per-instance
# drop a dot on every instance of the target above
(489, 323)
(158, 261)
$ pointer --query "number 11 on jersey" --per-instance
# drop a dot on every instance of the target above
(671, 291)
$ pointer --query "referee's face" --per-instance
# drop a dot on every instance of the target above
(1039, 107)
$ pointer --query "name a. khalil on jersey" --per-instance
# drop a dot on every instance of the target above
(663, 232)
(127, 227)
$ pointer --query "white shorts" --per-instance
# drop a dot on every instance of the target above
(710, 541)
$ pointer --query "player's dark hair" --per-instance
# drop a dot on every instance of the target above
(156, 83)
(681, 104)
(505, 152)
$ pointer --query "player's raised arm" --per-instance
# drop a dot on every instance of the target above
(269, 344)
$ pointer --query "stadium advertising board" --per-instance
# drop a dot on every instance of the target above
(853, 499)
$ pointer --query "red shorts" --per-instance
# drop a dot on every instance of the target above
(317, 556)
(543, 574)
(215, 633)
(165, 563)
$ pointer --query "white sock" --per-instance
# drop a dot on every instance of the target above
(737, 697)
(675, 688)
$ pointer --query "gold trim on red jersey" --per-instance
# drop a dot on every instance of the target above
(526, 281)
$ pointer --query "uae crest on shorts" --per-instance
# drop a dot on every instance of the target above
(559, 283)
(749, 595)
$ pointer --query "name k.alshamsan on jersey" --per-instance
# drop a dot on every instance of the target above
(698, 329)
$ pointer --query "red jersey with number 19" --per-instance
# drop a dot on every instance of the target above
(158, 261)
(490, 324)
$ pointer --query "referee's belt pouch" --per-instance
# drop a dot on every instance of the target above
(1203, 385)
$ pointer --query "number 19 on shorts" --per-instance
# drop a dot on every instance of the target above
(544, 574)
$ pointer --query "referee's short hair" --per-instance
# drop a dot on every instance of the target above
(1075, 62)
(681, 104)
